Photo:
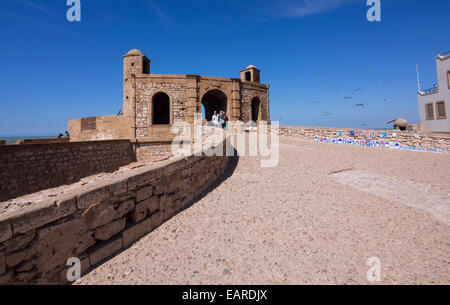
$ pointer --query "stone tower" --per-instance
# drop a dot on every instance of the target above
(134, 63)
(250, 74)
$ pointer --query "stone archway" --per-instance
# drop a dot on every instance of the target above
(214, 100)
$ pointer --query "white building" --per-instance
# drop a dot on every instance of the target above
(433, 103)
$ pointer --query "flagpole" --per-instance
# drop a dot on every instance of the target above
(418, 78)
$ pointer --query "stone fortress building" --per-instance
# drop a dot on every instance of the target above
(154, 103)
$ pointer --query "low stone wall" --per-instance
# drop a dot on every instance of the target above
(149, 151)
(43, 141)
(404, 138)
(99, 220)
(26, 169)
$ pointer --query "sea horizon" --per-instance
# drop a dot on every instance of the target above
(13, 139)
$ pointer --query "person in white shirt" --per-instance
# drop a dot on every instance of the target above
(215, 119)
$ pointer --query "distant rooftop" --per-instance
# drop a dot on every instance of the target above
(435, 89)
(443, 56)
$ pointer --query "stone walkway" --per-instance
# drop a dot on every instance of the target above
(315, 219)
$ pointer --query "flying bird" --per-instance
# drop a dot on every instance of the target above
(357, 89)
(359, 105)
(370, 67)
(387, 99)
(347, 97)
(334, 89)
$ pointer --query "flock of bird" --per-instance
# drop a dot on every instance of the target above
(348, 97)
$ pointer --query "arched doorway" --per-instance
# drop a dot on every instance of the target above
(161, 109)
(255, 109)
(214, 100)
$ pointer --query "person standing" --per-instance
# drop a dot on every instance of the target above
(221, 119)
(224, 119)
(215, 119)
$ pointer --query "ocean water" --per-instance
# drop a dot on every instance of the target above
(13, 140)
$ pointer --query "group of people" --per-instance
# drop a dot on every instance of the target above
(65, 135)
(220, 120)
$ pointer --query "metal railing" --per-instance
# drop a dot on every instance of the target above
(431, 90)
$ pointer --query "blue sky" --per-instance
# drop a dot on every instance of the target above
(314, 54)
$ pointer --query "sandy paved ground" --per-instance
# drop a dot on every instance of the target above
(315, 219)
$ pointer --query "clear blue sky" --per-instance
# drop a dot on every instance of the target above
(314, 53)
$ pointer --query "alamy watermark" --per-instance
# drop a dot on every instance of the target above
(197, 139)
(74, 272)
(374, 12)
(74, 11)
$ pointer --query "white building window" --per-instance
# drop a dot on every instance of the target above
(448, 78)
(429, 111)
(441, 112)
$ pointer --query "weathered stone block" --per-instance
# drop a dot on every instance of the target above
(7, 279)
(105, 250)
(111, 229)
(160, 188)
(25, 277)
(19, 242)
(85, 264)
(92, 196)
(140, 212)
(166, 202)
(144, 193)
(125, 207)
(38, 215)
(141, 179)
(15, 258)
(2, 264)
(168, 213)
(60, 242)
(100, 214)
(118, 188)
(5, 231)
(26, 266)
(174, 167)
(153, 204)
(157, 219)
(137, 231)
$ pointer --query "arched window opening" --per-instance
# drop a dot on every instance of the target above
(248, 76)
(161, 109)
(255, 109)
(214, 100)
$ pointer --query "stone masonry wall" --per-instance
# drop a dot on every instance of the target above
(99, 220)
(149, 151)
(248, 93)
(25, 169)
(145, 91)
(416, 139)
